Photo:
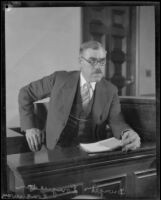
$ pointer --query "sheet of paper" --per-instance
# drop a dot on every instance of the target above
(101, 146)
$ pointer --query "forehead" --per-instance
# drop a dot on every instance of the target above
(95, 53)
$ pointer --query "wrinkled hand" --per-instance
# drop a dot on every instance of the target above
(35, 138)
(130, 140)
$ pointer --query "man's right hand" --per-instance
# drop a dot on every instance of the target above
(35, 138)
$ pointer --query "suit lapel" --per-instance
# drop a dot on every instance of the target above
(100, 100)
(69, 91)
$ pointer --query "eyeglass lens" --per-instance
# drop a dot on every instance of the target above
(94, 61)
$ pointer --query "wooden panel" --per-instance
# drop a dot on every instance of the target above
(96, 173)
(16, 141)
(65, 166)
(113, 27)
(146, 183)
(110, 187)
(141, 115)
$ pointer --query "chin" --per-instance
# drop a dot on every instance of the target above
(97, 79)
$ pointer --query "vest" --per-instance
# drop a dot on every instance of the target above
(79, 125)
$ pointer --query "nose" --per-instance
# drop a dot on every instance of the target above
(97, 68)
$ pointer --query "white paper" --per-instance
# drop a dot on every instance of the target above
(101, 146)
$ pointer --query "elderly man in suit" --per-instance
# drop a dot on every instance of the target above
(82, 104)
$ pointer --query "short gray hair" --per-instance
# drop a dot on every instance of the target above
(92, 44)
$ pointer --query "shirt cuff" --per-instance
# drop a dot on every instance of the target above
(122, 133)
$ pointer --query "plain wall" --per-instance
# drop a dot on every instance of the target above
(39, 41)
(146, 50)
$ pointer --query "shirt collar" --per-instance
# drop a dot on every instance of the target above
(83, 81)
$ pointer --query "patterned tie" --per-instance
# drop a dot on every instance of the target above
(85, 95)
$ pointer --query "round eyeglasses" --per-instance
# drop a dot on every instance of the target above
(94, 62)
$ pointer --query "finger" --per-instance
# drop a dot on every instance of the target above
(134, 137)
(126, 141)
(138, 143)
(131, 137)
(38, 137)
(38, 143)
(29, 143)
(124, 149)
(34, 143)
(131, 146)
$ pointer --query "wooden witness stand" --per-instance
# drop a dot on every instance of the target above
(67, 172)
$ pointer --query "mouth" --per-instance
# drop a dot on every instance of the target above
(98, 71)
(97, 74)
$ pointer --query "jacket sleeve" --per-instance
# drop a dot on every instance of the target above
(29, 94)
(116, 120)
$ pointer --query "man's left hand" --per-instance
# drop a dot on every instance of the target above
(130, 140)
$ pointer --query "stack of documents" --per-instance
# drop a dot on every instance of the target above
(101, 146)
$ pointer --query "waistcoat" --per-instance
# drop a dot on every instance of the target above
(79, 125)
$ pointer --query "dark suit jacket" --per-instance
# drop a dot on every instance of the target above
(61, 88)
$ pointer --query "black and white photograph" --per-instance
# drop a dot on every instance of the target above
(80, 100)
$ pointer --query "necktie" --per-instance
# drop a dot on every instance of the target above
(85, 95)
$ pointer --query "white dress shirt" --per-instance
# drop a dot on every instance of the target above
(92, 84)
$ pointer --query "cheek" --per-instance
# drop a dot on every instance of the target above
(87, 71)
(90, 74)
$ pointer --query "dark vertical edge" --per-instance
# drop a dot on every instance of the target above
(157, 73)
(131, 50)
(84, 23)
(107, 70)
(3, 105)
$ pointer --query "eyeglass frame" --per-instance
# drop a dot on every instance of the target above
(96, 62)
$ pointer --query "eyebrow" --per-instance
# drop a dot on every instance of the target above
(96, 58)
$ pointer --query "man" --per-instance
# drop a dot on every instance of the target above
(82, 104)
